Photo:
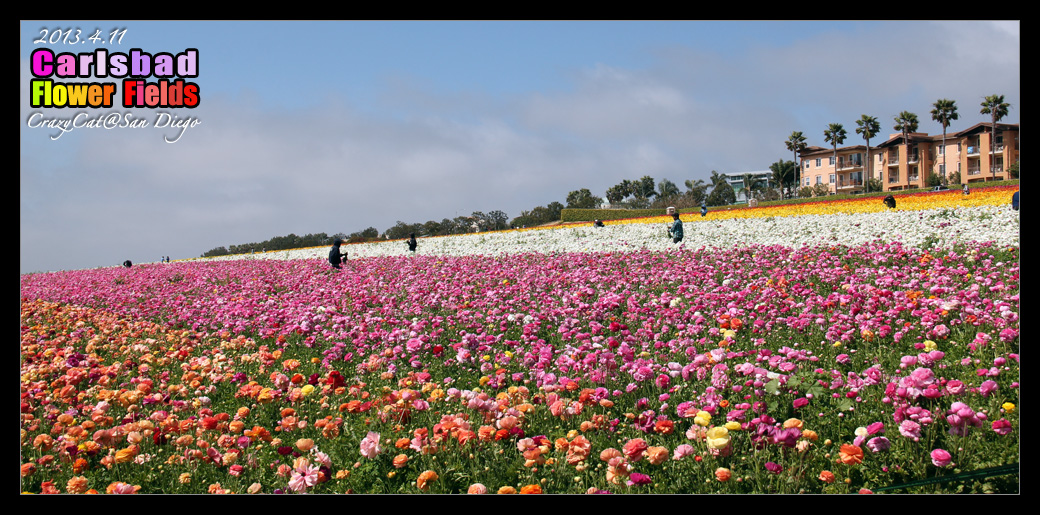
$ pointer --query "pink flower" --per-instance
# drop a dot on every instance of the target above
(989, 386)
(682, 451)
(910, 429)
(370, 447)
(941, 458)
(1002, 426)
(304, 477)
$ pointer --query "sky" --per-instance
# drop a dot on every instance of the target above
(336, 126)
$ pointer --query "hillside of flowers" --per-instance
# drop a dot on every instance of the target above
(771, 352)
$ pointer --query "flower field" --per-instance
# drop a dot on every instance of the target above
(835, 348)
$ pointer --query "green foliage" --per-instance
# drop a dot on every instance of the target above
(582, 199)
(587, 215)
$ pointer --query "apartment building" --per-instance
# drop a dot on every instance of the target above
(845, 172)
(902, 165)
(736, 181)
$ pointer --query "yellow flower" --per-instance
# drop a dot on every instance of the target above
(929, 345)
(1008, 407)
(718, 437)
(703, 418)
(732, 425)
(307, 390)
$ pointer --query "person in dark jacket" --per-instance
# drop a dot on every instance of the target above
(704, 210)
(1014, 201)
(889, 201)
(598, 223)
(411, 242)
(676, 231)
(127, 264)
(335, 257)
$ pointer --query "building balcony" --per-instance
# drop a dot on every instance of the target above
(846, 165)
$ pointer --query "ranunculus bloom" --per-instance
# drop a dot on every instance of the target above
(424, 479)
(531, 489)
(370, 447)
(1002, 426)
(477, 488)
(850, 454)
(718, 441)
(827, 476)
(76, 485)
(635, 448)
(507, 490)
(656, 455)
(723, 474)
(400, 461)
(941, 458)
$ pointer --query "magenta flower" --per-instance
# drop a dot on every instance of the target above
(774, 467)
(941, 458)
(1002, 426)
(636, 478)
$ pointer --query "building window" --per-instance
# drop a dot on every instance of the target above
(830, 160)
(817, 162)
(819, 179)
(831, 179)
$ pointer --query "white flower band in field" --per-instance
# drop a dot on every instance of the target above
(939, 227)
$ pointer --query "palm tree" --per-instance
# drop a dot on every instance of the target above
(783, 173)
(835, 135)
(868, 127)
(697, 190)
(944, 111)
(994, 106)
(796, 143)
(666, 189)
(906, 122)
(751, 184)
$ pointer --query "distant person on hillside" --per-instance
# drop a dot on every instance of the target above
(965, 189)
(335, 257)
(704, 210)
(890, 201)
(127, 264)
(1014, 201)
(598, 223)
(411, 242)
(676, 231)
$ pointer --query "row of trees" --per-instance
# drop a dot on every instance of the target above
(290, 241)
(943, 111)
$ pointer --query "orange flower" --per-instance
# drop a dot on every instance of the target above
(76, 485)
(656, 455)
(304, 444)
(401, 460)
(28, 469)
(850, 454)
(531, 489)
(827, 476)
(423, 482)
(507, 490)
(402, 443)
(126, 455)
(723, 474)
(664, 427)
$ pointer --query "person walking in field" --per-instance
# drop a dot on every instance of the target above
(412, 243)
(1014, 201)
(335, 257)
(676, 231)
(890, 201)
